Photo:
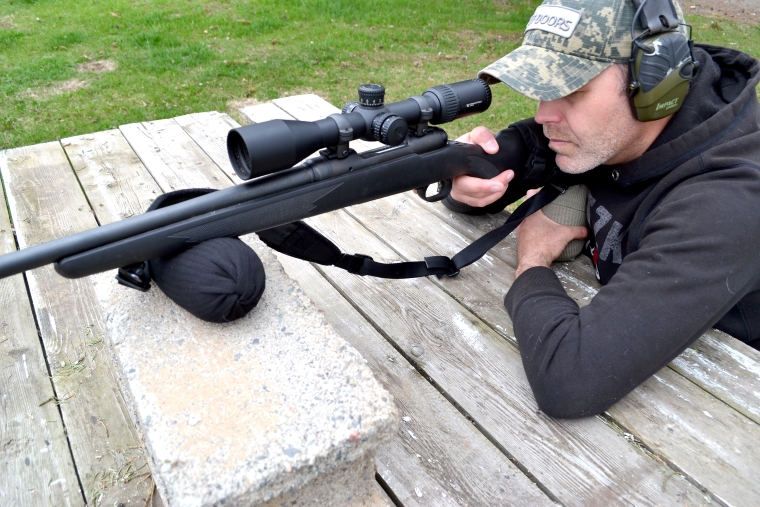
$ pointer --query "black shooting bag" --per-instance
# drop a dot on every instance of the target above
(219, 280)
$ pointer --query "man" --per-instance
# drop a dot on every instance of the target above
(673, 206)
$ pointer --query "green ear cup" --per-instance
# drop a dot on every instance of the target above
(661, 77)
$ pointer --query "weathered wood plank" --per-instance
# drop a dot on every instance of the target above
(118, 186)
(46, 202)
(418, 233)
(209, 131)
(36, 463)
(263, 112)
(438, 457)
(307, 107)
(714, 445)
(726, 368)
(115, 181)
(723, 366)
(174, 160)
(582, 462)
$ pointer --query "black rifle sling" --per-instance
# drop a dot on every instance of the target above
(299, 240)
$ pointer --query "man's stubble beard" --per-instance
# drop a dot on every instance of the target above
(594, 151)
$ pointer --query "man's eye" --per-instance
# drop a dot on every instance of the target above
(577, 94)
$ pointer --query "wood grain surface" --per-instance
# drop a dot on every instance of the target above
(438, 457)
(174, 160)
(36, 463)
(46, 202)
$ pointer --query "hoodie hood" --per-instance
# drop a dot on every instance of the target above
(720, 105)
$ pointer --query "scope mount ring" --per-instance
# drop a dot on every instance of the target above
(345, 136)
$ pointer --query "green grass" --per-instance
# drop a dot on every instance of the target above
(172, 57)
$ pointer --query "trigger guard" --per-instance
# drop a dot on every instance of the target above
(444, 189)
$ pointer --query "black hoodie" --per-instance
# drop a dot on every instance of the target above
(675, 235)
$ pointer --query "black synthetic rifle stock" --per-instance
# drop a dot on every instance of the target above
(416, 155)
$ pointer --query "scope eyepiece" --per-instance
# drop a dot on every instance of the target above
(458, 100)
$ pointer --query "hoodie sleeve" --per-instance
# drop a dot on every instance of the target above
(698, 255)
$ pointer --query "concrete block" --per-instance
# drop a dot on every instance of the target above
(274, 408)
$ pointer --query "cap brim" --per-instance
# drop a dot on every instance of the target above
(542, 74)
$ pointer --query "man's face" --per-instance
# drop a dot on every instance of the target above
(594, 125)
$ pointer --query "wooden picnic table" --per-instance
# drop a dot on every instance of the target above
(471, 433)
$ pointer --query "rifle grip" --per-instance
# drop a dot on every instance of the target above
(569, 208)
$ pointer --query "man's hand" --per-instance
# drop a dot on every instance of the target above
(476, 191)
(540, 240)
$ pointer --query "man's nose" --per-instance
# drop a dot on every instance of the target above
(548, 112)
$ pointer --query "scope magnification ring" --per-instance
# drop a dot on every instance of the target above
(450, 104)
(349, 107)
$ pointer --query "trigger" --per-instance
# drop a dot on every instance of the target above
(443, 190)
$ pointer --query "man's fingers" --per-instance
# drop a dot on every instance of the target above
(473, 185)
(483, 138)
(540, 240)
(475, 191)
(568, 232)
(504, 178)
(579, 232)
(479, 192)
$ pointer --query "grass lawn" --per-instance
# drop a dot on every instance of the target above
(81, 66)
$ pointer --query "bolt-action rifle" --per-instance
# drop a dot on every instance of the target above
(416, 155)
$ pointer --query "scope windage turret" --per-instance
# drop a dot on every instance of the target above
(271, 146)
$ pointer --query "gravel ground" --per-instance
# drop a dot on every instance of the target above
(741, 11)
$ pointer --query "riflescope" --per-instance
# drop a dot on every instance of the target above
(271, 146)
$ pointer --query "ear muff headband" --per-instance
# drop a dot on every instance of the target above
(661, 67)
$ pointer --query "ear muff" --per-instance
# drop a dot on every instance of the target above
(661, 68)
(662, 62)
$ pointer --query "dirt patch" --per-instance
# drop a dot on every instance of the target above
(234, 107)
(743, 12)
(98, 66)
(6, 22)
(45, 92)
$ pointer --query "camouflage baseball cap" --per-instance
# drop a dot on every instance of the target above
(568, 43)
